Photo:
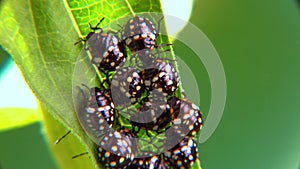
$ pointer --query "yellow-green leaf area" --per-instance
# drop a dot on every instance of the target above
(11, 118)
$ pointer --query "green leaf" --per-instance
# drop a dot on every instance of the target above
(11, 118)
(196, 165)
(70, 146)
(39, 35)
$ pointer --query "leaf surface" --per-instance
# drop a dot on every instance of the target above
(11, 118)
(39, 35)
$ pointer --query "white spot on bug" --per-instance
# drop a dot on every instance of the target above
(200, 120)
(152, 36)
(176, 151)
(143, 35)
(168, 68)
(101, 120)
(161, 74)
(122, 159)
(179, 163)
(115, 40)
(107, 154)
(190, 143)
(141, 19)
(123, 84)
(193, 133)
(195, 107)
(129, 79)
(155, 79)
(114, 148)
(168, 154)
(128, 41)
(143, 24)
(132, 100)
(127, 94)
(170, 82)
(177, 121)
(186, 116)
(122, 90)
(90, 110)
(192, 112)
(113, 163)
(135, 74)
(117, 134)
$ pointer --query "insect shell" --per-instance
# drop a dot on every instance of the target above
(107, 51)
(154, 162)
(187, 118)
(183, 155)
(139, 33)
(127, 86)
(98, 114)
(152, 115)
(116, 149)
(160, 75)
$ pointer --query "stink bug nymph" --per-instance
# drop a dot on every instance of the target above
(140, 33)
(106, 50)
(97, 114)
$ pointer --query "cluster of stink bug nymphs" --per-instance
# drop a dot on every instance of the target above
(136, 114)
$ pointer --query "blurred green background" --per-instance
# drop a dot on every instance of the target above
(259, 46)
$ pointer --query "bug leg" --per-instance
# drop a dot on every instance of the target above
(78, 155)
(80, 40)
(94, 28)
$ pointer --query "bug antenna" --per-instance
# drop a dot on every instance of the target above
(80, 40)
(96, 27)
(58, 140)
(84, 85)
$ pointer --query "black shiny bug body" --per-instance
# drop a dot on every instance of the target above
(116, 149)
(140, 33)
(107, 51)
(183, 155)
(161, 76)
(152, 115)
(154, 162)
(186, 119)
(98, 114)
(127, 86)
(167, 78)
